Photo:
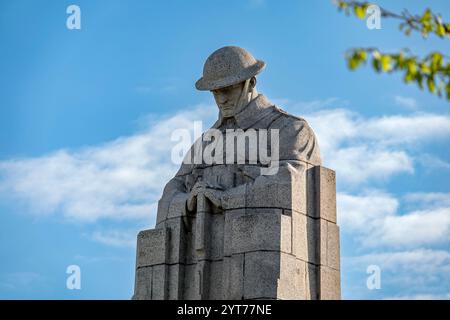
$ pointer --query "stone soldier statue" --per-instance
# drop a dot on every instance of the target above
(228, 229)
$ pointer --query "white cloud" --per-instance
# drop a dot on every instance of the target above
(122, 179)
(359, 164)
(373, 218)
(115, 238)
(407, 102)
(364, 149)
(415, 228)
(418, 260)
(428, 199)
(312, 105)
(362, 213)
(406, 129)
(431, 162)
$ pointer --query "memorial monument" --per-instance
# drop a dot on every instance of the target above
(251, 213)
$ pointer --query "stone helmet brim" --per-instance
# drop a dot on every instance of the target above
(245, 68)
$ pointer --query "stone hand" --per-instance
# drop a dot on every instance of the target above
(201, 188)
(198, 187)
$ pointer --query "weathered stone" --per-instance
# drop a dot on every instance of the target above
(262, 272)
(216, 289)
(191, 286)
(229, 217)
(175, 285)
(235, 198)
(330, 287)
(305, 237)
(329, 244)
(177, 207)
(176, 245)
(312, 281)
(215, 243)
(159, 282)
(265, 229)
(310, 187)
(285, 190)
(325, 181)
(292, 282)
(152, 247)
(233, 277)
(143, 284)
(333, 247)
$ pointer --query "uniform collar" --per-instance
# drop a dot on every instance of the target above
(250, 114)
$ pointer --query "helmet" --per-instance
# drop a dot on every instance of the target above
(228, 66)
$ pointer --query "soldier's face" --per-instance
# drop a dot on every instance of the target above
(227, 98)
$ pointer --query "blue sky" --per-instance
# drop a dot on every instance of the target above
(86, 117)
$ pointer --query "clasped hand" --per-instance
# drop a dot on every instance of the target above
(202, 188)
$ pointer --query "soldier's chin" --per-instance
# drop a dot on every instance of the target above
(227, 111)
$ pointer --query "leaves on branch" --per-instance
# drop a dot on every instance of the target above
(426, 23)
(432, 71)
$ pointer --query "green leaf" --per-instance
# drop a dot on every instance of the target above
(440, 30)
(376, 64)
(360, 11)
(385, 63)
(431, 84)
(427, 15)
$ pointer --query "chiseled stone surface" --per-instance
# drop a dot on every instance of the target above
(326, 188)
(152, 247)
(330, 287)
(229, 231)
(143, 284)
(266, 229)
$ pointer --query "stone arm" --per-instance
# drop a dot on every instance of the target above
(298, 151)
(173, 200)
(286, 187)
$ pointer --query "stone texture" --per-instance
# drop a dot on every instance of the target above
(235, 198)
(233, 277)
(305, 237)
(292, 281)
(191, 288)
(262, 271)
(312, 281)
(285, 190)
(333, 246)
(176, 245)
(330, 288)
(152, 247)
(329, 244)
(215, 245)
(325, 181)
(159, 282)
(216, 287)
(267, 229)
(175, 285)
(229, 217)
(143, 284)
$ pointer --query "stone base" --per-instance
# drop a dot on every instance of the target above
(247, 253)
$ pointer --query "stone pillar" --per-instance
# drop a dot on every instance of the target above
(279, 241)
